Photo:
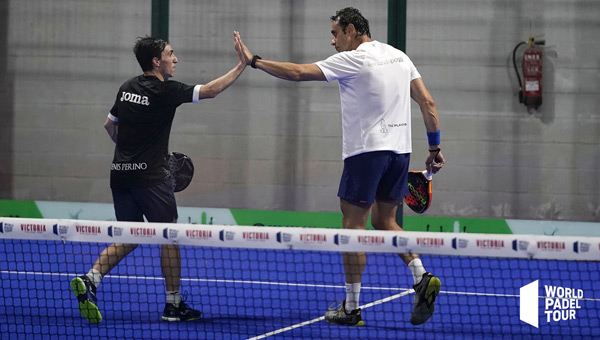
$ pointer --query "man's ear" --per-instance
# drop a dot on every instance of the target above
(155, 62)
(351, 30)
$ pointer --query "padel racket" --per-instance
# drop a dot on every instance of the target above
(181, 168)
(420, 189)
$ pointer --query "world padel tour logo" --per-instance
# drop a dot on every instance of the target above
(560, 303)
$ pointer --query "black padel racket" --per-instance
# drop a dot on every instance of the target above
(420, 189)
(182, 169)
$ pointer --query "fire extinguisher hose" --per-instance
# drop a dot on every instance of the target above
(514, 58)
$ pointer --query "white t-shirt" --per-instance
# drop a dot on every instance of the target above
(374, 85)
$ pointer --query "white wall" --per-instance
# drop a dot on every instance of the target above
(270, 144)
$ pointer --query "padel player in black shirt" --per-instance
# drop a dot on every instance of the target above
(140, 125)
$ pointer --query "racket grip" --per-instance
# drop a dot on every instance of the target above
(428, 175)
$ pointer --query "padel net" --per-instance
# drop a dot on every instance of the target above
(277, 282)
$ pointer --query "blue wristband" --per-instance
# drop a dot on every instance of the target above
(434, 138)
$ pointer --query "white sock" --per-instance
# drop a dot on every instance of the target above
(94, 276)
(352, 296)
(417, 269)
(173, 297)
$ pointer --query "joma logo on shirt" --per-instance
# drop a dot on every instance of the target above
(134, 98)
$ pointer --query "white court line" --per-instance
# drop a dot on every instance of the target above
(298, 325)
(129, 277)
(150, 278)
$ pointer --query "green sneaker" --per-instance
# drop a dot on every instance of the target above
(85, 291)
(338, 315)
(425, 293)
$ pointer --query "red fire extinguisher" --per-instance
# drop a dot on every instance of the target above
(530, 90)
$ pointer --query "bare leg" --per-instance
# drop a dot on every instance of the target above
(355, 217)
(111, 256)
(383, 217)
(170, 261)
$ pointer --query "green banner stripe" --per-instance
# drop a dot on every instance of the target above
(453, 224)
(29, 209)
(334, 220)
(23, 209)
(287, 218)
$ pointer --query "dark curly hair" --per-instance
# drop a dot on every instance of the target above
(351, 15)
(147, 48)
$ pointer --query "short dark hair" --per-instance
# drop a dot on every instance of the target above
(351, 15)
(147, 48)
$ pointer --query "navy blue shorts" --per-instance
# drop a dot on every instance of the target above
(377, 175)
(157, 203)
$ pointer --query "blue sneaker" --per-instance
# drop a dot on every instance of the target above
(85, 291)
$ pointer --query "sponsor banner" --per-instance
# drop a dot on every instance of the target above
(400, 242)
(121, 232)
(430, 243)
(201, 235)
(461, 244)
(338, 240)
(27, 228)
(246, 237)
(567, 247)
(308, 239)
(487, 245)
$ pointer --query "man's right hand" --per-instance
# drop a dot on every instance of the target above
(435, 162)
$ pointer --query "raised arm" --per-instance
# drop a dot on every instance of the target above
(216, 86)
(418, 92)
(283, 70)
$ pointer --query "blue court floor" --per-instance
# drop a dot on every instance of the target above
(280, 294)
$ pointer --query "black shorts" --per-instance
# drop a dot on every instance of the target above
(157, 203)
(377, 175)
